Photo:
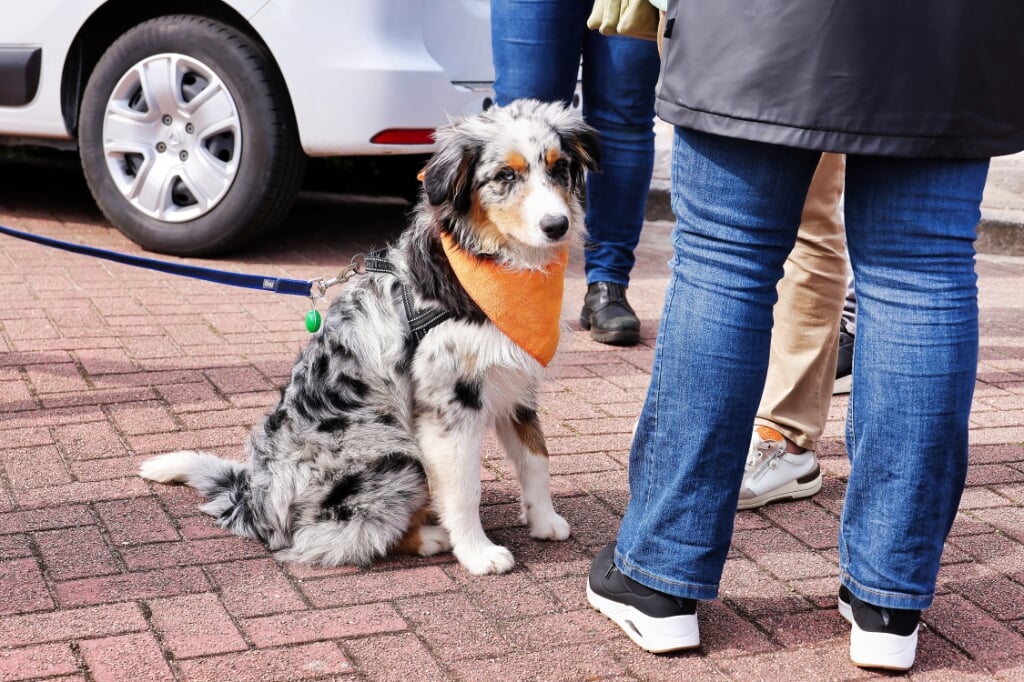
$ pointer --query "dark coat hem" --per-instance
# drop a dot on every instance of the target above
(871, 144)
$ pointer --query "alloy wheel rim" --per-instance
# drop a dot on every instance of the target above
(172, 137)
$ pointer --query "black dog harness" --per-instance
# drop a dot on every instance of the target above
(419, 321)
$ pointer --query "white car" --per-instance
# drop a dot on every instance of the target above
(193, 125)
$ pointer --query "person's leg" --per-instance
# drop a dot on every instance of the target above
(847, 333)
(537, 46)
(619, 77)
(738, 205)
(802, 363)
(798, 389)
(910, 230)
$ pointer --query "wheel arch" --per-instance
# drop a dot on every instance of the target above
(114, 18)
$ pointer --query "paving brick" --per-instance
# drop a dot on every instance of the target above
(220, 418)
(434, 620)
(56, 378)
(205, 439)
(238, 380)
(564, 630)
(127, 658)
(106, 469)
(83, 491)
(145, 417)
(96, 397)
(75, 553)
(146, 585)
(98, 361)
(994, 593)
(578, 663)
(92, 440)
(808, 522)
(1009, 520)
(23, 437)
(43, 519)
(756, 593)
(318, 660)
(514, 597)
(24, 587)
(781, 554)
(255, 587)
(33, 662)
(192, 397)
(68, 624)
(973, 630)
(311, 626)
(360, 588)
(186, 623)
(135, 521)
(211, 551)
(15, 546)
(39, 467)
(375, 658)
(201, 527)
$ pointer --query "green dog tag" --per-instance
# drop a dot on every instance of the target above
(313, 320)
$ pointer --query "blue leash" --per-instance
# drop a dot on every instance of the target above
(278, 285)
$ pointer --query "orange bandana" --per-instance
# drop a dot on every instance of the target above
(526, 305)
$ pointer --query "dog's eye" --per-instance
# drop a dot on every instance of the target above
(560, 170)
(507, 175)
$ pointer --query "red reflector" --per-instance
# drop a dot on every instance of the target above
(404, 136)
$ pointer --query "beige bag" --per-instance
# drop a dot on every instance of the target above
(633, 18)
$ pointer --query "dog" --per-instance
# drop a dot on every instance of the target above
(377, 436)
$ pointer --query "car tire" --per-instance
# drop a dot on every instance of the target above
(187, 139)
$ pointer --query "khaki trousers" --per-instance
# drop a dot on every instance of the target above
(805, 338)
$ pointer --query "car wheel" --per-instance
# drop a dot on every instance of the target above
(187, 138)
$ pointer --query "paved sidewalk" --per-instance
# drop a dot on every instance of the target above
(105, 577)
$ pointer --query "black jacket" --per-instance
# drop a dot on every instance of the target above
(922, 78)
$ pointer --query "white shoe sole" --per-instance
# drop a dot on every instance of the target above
(878, 649)
(790, 491)
(842, 385)
(657, 635)
(881, 650)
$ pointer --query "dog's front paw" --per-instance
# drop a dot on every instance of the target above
(486, 559)
(550, 526)
(433, 540)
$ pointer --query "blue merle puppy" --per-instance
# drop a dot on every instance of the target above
(379, 432)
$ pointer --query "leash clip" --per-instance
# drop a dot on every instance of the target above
(318, 289)
(356, 267)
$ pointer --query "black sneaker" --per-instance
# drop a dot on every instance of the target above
(655, 621)
(608, 315)
(881, 637)
(844, 364)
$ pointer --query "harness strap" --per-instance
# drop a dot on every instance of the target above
(421, 320)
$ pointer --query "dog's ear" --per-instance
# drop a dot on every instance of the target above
(448, 177)
(581, 143)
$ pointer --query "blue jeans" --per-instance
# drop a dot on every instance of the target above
(537, 47)
(910, 225)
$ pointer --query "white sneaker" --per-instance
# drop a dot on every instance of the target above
(773, 474)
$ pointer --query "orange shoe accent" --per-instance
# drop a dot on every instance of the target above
(768, 433)
(524, 304)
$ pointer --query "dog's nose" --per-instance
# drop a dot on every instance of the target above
(554, 226)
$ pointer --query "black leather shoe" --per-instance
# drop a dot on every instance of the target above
(608, 315)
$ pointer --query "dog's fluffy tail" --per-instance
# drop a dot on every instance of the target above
(223, 482)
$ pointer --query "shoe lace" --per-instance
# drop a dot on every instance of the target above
(764, 448)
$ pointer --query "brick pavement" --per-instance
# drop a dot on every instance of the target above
(105, 577)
